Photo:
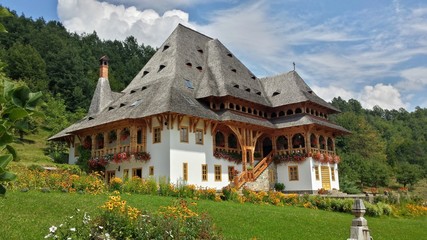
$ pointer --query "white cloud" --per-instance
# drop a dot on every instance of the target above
(414, 79)
(118, 22)
(159, 5)
(329, 93)
(385, 96)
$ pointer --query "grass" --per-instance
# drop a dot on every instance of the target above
(36, 212)
(31, 150)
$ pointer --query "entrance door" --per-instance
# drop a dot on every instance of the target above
(267, 146)
(326, 179)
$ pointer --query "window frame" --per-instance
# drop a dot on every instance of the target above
(218, 175)
(293, 173)
(109, 175)
(151, 171)
(332, 169)
(199, 131)
(204, 172)
(185, 171)
(230, 173)
(157, 135)
(183, 138)
(134, 172)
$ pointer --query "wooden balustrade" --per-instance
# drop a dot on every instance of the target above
(252, 175)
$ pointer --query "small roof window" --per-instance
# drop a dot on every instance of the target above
(133, 91)
(122, 104)
(189, 64)
(200, 50)
(276, 93)
(253, 77)
(136, 103)
(165, 47)
(199, 68)
(145, 73)
(110, 108)
(258, 92)
(143, 88)
(188, 84)
(233, 70)
(90, 118)
(161, 67)
(229, 54)
(248, 90)
(236, 85)
(310, 91)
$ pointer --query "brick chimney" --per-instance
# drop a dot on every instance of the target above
(103, 67)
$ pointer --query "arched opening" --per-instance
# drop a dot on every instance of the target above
(322, 142)
(267, 146)
(232, 141)
(289, 112)
(219, 139)
(99, 141)
(112, 137)
(231, 106)
(298, 110)
(125, 136)
(221, 106)
(249, 110)
(281, 113)
(298, 141)
(313, 141)
(282, 143)
(330, 144)
(273, 115)
(243, 109)
(87, 143)
(238, 107)
(255, 112)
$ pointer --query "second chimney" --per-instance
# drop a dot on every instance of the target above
(103, 67)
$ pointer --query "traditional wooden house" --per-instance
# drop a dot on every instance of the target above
(195, 113)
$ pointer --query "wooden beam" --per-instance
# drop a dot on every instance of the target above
(206, 124)
(214, 126)
(160, 120)
(180, 118)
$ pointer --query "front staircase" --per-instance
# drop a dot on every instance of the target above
(252, 175)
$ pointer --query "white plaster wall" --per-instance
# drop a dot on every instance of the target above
(160, 154)
(71, 158)
(305, 176)
(196, 155)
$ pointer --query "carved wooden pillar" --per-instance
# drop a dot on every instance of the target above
(133, 135)
(93, 137)
(118, 141)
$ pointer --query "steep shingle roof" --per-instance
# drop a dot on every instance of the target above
(188, 68)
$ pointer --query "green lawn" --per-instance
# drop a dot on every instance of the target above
(29, 215)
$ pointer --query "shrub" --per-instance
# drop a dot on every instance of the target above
(279, 187)
(230, 193)
(116, 184)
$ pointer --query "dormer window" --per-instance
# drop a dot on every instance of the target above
(189, 64)
(122, 104)
(90, 118)
(199, 68)
(248, 90)
(229, 54)
(145, 73)
(161, 67)
(258, 93)
(236, 86)
(234, 70)
(110, 108)
(133, 91)
(188, 84)
(310, 91)
(276, 93)
(143, 88)
(253, 77)
(200, 50)
(165, 47)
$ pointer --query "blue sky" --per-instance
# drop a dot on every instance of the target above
(372, 51)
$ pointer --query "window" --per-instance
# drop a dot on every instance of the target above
(161, 67)
(218, 173)
(125, 174)
(199, 68)
(110, 175)
(316, 172)
(157, 137)
(199, 136)
(293, 173)
(276, 93)
(151, 171)
(230, 173)
(139, 136)
(204, 172)
(333, 174)
(165, 47)
(188, 84)
(185, 171)
(137, 172)
(183, 134)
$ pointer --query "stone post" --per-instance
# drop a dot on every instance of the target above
(359, 226)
